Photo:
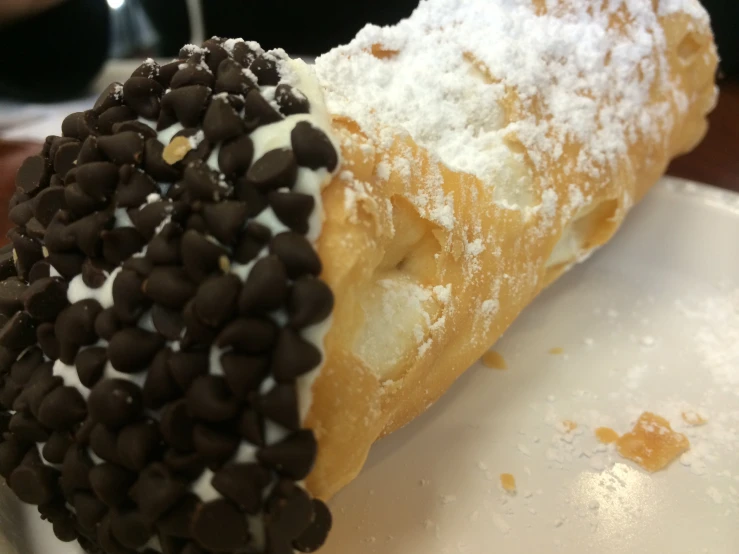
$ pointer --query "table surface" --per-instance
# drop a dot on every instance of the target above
(715, 161)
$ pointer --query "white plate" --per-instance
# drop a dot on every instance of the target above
(651, 322)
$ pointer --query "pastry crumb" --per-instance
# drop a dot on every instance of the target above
(557, 350)
(508, 482)
(652, 443)
(693, 418)
(494, 360)
(606, 435)
(569, 425)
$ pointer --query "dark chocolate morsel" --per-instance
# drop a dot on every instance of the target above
(177, 521)
(231, 78)
(256, 201)
(249, 335)
(115, 402)
(123, 148)
(265, 288)
(265, 68)
(296, 253)
(47, 203)
(197, 333)
(88, 232)
(155, 165)
(111, 117)
(34, 174)
(76, 470)
(27, 251)
(216, 53)
(244, 53)
(110, 483)
(89, 510)
(107, 323)
(225, 219)
(291, 100)
(78, 203)
(200, 256)
(280, 404)
(185, 367)
(293, 356)
(98, 179)
(164, 248)
(79, 125)
(12, 452)
(68, 264)
(169, 286)
(289, 508)
(215, 301)
(235, 156)
(220, 526)
(209, 399)
(258, 112)
(105, 540)
(169, 323)
(111, 96)
(214, 445)
(177, 426)
(192, 74)
(136, 126)
(138, 444)
(251, 427)
(11, 295)
(142, 95)
(293, 457)
(25, 428)
(121, 243)
(89, 152)
(315, 535)
(149, 70)
(131, 349)
(22, 213)
(19, 332)
(244, 373)
(221, 121)
(47, 340)
(134, 189)
(293, 209)
(159, 387)
(56, 447)
(45, 298)
(312, 147)
(276, 169)
(310, 302)
(202, 183)
(156, 491)
(185, 465)
(90, 364)
(104, 443)
(242, 484)
(187, 103)
(66, 158)
(129, 528)
(33, 482)
(62, 409)
(167, 72)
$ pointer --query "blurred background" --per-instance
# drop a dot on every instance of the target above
(59, 52)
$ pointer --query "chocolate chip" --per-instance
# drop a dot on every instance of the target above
(79, 125)
(88, 231)
(276, 169)
(216, 53)
(111, 117)
(35, 230)
(201, 183)
(111, 96)
(98, 180)
(242, 484)
(129, 528)
(258, 112)
(296, 253)
(164, 248)
(62, 409)
(251, 427)
(315, 535)
(34, 174)
(235, 157)
(147, 219)
(22, 213)
(221, 122)
(76, 470)
(135, 126)
(106, 542)
(289, 508)
(110, 483)
(89, 152)
(142, 95)
(177, 426)
(129, 300)
(141, 266)
(220, 526)
(167, 71)
(310, 302)
(231, 78)
(265, 68)
(131, 349)
(265, 288)
(312, 147)
(149, 70)
(168, 322)
(104, 443)
(12, 452)
(11, 295)
(79, 203)
(156, 491)
(192, 74)
(68, 264)
(280, 404)
(225, 219)
(134, 189)
(56, 447)
(210, 399)
(115, 402)
(123, 148)
(159, 387)
(200, 256)
(121, 243)
(185, 465)
(107, 324)
(33, 483)
(66, 158)
(27, 251)
(89, 510)
(169, 286)
(138, 444)
(214, 445)
(185, 367)
(243, 53)
(201, 152)
(40, 270)
(155, 165)
(24, 367)
(19, 332)
(177, 521)
(244, 373)
(25, 428)
(187, 103)
(291, 100)
(249, 335)
(90, 364)
(215, 301)
(197, 333)
(293, 209)
(293, 457)
(45, 298)
(47, 203)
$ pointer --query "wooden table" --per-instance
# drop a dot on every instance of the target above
(715, 161)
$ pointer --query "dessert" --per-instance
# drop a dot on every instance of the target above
(236, 272)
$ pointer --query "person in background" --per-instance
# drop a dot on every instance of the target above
(54, 48)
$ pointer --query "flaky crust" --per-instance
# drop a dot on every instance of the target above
(388, 261)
